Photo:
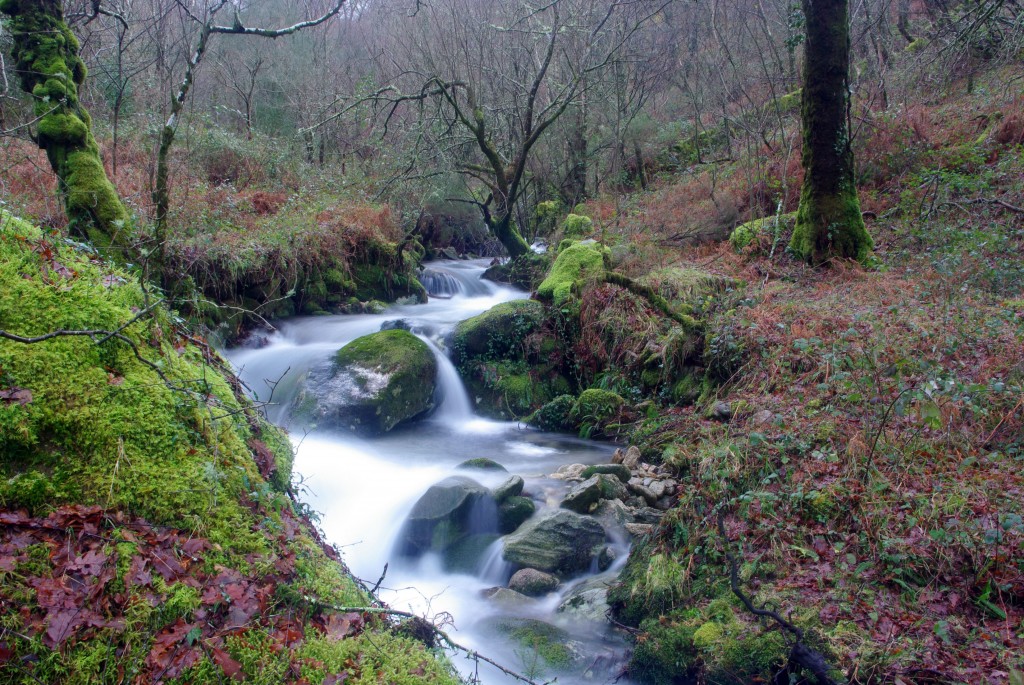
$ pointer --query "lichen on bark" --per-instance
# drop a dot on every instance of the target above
(829, 222)
(50, 70)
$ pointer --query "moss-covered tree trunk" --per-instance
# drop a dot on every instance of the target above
(829, 222)
(49, 68)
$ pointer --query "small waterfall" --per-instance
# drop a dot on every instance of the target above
(454, 406)
(493, 567)
(440, 283)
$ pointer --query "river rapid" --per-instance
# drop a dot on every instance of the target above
(364, 488)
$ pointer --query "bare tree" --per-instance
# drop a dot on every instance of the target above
(492, 79)
(207, 27)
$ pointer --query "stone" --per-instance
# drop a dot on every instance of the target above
(631, 458)
(481, 464)
(533, 583)
(514, 512)
(513, 487)
(648, 515)
(375, 383)
(582, 497)
(495, 332)
(721, 411)
(569, 472)
(396, 325)
(465, 556)
(559, 541)
(638, 530)
(636, 486)
(507, 596)
(447, 513)
(588, 601)
(762, 417)
(620, 471)
(665, 503)
(612, 513)
(657, 488)
(606, 558)
(549, 644)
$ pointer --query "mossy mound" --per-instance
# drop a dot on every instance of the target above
(555, 415)
(145, 505)
(769, 229)
(523, 272)
(596, 411)
(504, 357)
(376, 382)
(574, 263)
(498, 331)
(577, 226)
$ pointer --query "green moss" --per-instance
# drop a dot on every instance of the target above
(540, 639)
(574, 263)
(50, 69)
(555, 415)
(830, 226)
(596, 406)
(576, 226)
(708, 636)
(497, 332)
(750, 232)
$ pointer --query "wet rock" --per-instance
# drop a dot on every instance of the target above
(532, 583)
(588, 601)
(375, 383)
(514, 512)
(606, 558)
(560, 542)
(639, 530)
(513, 487)
(612, 514)
(620, 471)
(665, 503)
(550, 645)
(648, 515)
(636, 486)
(447, 513)
(721, 411)
(507, 596)
(396, 325)
(569, 472)
(583, 497)
(481, 464)
(465, 555)
(631, 458)
(496, 331)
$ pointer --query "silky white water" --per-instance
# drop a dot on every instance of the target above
(364, 488)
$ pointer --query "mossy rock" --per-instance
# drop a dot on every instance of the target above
(497, 332)
(576, 262)
(514, 512)
(596, 409)
(537, 639)
(511, 389)
(524, 272)
(482, 464)
(555, 415)
(577, 226)
(765, 227)
(375, 383)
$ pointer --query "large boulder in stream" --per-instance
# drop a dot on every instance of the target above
(497, 331)
(560, 542)
(447, 514)
(374, 383)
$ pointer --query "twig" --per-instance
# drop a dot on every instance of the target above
(800, 655)
(471, 653)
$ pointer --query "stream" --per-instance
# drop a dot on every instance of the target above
(365, 487)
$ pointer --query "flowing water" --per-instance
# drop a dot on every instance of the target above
(364, 488)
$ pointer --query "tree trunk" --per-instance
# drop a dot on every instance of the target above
(50, 69)
(505, 231)
(829, 222)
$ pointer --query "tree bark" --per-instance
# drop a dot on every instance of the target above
(51, 71)
(829, 223)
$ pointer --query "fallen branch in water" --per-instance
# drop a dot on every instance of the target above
(800, 655)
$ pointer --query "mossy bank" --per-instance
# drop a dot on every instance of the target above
(149, 530)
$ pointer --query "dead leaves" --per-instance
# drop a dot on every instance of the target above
(71, 564)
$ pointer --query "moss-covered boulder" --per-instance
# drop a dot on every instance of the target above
(559, 542)
(596, 410)
(574, 263)
(577, 226)
(524, 272)
(555, 415)
(513, 512)
(775, 227)
(496, 332)
(583, 497)
(375, 383)
(446, 514)
(545, 646)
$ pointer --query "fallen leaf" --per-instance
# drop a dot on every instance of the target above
(231, 668)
